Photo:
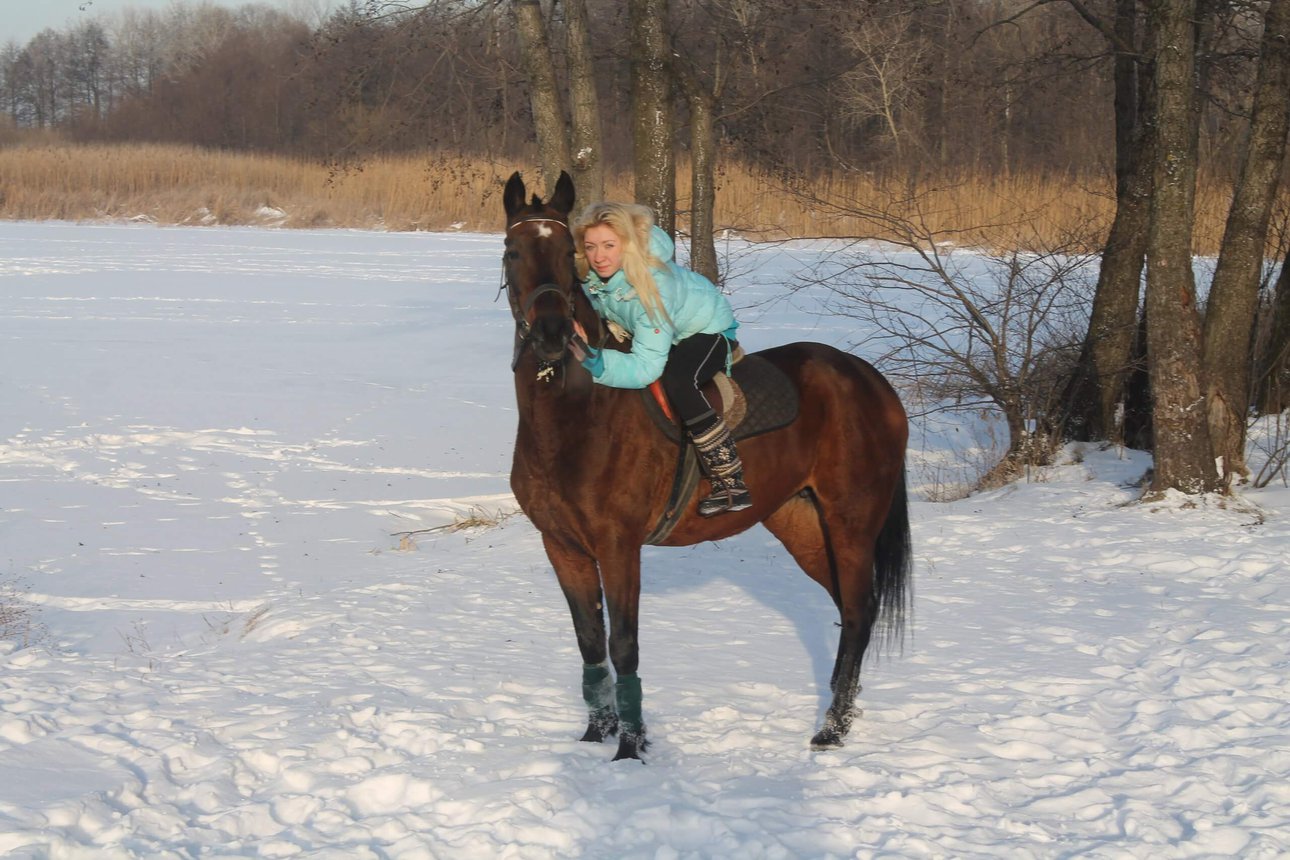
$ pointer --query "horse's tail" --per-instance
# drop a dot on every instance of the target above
(893, 584)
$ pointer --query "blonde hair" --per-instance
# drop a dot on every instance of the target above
(631, 223)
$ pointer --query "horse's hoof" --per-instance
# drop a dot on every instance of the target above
(833, 731)
(631, 745)
(826, 739)
(601, 725)
(594, 735)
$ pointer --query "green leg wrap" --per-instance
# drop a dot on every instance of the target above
(628, 691)
(597, 686)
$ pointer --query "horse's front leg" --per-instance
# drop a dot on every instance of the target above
(620, 571)
(580, 582)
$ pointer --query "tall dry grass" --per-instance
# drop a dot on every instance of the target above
(186, 185)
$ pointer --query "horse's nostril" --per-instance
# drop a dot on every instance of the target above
(550, 325)
(551, 336)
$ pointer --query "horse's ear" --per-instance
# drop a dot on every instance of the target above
(562, 199)
(513, 196)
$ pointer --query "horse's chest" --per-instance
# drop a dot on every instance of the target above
(552, 492)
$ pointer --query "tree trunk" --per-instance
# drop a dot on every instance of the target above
(587, 145)
(1018, 456)
(1136, 421)
(654, 164)
(544, 93)
(1095, 398)
(1234, 296)
(1183, 457)
(1274, 368)
(703, 159)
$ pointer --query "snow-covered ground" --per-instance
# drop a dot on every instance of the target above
(211, 441)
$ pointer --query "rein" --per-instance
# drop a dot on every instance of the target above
(524, 335)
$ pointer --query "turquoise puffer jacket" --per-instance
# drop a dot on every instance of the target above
(694, 306)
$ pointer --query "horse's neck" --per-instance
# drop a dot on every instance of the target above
(568, 417)
(558, 423)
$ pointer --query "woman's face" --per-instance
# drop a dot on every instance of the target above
(604, 250)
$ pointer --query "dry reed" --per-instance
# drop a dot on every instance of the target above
(186, 185)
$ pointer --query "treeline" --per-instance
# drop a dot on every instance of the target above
(923, 86)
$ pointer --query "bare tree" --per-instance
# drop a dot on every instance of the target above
(138, 51)
(544, 92)
(86, 70)
(39, 71)
(586, 140)
(703, 158)
(1095, 400)
(1183, 455)
(965, 328)
(1274, 361)
(886, 81)
(653, 157)
(1233, 297)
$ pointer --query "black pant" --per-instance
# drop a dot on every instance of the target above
(690, 364)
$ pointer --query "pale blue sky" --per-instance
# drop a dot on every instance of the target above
(22, 19)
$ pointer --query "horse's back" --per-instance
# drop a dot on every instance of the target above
(825, 375)
(804, 354)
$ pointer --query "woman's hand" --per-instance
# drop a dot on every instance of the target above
(577, 345)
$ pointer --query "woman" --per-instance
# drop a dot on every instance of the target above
(682, 330)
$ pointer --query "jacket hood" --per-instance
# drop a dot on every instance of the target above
(661, 244)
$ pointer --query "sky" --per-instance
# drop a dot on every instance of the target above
(22, 19)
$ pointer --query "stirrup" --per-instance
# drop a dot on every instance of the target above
(725, 499)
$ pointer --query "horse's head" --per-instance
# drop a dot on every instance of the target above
(541, 281)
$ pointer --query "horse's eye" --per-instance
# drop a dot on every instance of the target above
(513, 255)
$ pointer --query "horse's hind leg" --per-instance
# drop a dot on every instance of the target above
(827, 548)
(853, 641)
(580, 582)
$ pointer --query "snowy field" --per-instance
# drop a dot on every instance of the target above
(211, 440)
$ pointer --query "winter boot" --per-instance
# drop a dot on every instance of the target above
(724, 469)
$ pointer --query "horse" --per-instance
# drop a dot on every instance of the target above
(593, 474)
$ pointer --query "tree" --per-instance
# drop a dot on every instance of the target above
(1095, 399)
(703, 158)
(653, 158)
(40, 72)
(138, 51)
(1183, 454)
(586, 141)
(86, 70)
(886, 81)
(1233, 297)
(1274, 363)
(965, 330)
(544, 93)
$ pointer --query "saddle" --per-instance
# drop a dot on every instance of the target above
(757, 397)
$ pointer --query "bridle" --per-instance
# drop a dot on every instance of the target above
(524, 335)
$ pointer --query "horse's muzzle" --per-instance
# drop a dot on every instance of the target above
(550, 337)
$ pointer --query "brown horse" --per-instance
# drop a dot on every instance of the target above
(593, 474)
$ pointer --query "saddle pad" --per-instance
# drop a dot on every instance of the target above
(771, 400)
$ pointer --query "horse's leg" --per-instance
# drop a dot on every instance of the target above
(580, 582)
(857, 612)
(831, 552)
(622, 579)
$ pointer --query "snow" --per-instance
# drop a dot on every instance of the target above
(213, 443)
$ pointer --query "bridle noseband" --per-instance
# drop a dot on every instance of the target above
(524, 335)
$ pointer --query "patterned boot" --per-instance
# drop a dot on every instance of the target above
(724, 469)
